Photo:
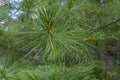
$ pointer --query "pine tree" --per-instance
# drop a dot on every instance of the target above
(59, 39)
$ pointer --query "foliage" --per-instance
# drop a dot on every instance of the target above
(57, 39)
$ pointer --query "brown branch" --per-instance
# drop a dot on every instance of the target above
(104, 26)
(111, 23)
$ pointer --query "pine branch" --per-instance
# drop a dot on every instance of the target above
(104, 26)
(111, 23)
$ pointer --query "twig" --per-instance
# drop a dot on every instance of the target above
(104, 26)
